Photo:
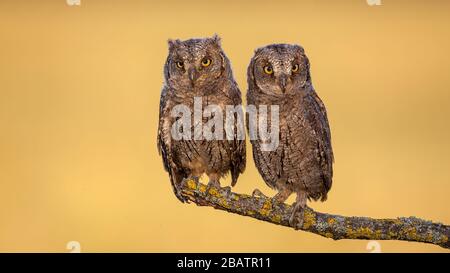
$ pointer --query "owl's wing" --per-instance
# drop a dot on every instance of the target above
(319, 122)
(164, 145)
(268, 163)
(238, 152)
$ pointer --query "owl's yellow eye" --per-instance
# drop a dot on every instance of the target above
(268, 69)
(295, 68)
(206, 62)
(180, 64)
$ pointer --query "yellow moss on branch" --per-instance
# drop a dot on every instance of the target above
(330, 226)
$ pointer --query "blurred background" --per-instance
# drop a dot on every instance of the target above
(79, 96)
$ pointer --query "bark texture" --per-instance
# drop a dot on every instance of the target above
(331, 226)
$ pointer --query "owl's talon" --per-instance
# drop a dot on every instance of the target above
(212, 184)
(227, 188)
(296, 220)
(196, 178)
(183, 199)
(258, 193)
(179, 195)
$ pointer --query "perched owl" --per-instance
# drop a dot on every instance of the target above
(198, 68)
(302, 162)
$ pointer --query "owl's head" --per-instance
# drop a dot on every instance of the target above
(279, 69)
(195, 63)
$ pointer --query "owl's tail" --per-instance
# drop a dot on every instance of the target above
(234, 176)
(326, 186)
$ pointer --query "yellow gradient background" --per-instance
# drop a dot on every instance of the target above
(79, 95)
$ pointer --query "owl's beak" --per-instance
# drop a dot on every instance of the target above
(192, 74)
(282, 81)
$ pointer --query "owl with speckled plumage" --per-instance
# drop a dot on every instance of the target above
(198, 68)
(279, 74)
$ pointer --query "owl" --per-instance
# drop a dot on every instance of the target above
(302, 161)
(199, 69)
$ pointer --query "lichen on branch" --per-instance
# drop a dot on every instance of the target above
(331, 226)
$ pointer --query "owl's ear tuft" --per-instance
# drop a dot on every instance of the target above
(257, 51)
(217, 40)
(300, 48)
(173, 43)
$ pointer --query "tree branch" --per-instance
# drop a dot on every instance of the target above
(331, 226)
